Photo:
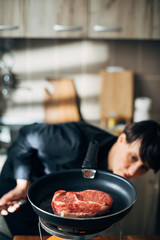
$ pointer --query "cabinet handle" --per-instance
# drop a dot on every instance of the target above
(5, 27)
(61, 28)
(100, 28)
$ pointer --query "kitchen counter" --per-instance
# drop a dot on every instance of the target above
(135, 237)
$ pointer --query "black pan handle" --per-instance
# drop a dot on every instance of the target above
(90, 161)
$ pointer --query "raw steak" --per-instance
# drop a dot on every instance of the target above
(88, 203)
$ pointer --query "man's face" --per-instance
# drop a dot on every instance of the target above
(124, 159)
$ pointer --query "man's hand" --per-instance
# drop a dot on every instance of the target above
(12, 200)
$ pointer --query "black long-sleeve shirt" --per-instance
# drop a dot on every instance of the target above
(44, 148)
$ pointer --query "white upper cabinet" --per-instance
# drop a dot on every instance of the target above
(55, 18)
(126, 19)
(11, 18)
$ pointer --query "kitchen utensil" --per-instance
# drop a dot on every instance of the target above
(122, 191)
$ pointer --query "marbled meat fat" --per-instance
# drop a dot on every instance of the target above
(83, 204)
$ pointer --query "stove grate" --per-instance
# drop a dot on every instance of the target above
(73, 233)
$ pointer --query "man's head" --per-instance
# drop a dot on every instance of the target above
(136, 150)
(148, 132)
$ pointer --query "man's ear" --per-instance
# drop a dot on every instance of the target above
(122, 138)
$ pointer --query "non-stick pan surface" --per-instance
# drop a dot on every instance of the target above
(122, 191)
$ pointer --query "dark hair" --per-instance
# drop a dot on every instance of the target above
(149, 133)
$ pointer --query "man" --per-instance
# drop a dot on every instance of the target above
(42, 148)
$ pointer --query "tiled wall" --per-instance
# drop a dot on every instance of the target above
(38, 59)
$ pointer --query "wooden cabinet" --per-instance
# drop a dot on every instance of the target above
(101, 19)
(119, 19)
(57, 19)
(11, 18)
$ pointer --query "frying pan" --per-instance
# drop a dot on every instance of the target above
(123, 192)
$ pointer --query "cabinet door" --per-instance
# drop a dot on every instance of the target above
(119, 19)
(156, 20)
(57, 19)
(11, 18)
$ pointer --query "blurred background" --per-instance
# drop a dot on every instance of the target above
(92, 60)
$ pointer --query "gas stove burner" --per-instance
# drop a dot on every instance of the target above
(70, 233)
